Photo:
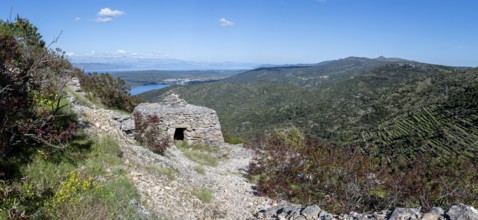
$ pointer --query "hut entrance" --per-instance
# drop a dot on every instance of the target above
(179, 134)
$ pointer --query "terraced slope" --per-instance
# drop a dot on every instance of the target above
(447, 129)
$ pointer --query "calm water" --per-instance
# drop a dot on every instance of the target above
(144, 88)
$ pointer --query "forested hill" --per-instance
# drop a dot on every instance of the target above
(338, 71)
(336, 101)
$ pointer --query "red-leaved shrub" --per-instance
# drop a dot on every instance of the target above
(341, 179)
(147, 133)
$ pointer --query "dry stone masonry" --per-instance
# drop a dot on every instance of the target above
(288, 211)
(182, 121)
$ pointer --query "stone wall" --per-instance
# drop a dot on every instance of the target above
(288, 211)
(197, 124)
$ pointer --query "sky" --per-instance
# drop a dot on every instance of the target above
(257, 31)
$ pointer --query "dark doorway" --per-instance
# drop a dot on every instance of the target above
(179, 134)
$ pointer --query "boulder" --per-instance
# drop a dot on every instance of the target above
(289, 209)
(462, 212)
(436, 213)
(358, 216)
(406, 214)
(127, 125)
(311, 212)
(381, 214)
(323, 215)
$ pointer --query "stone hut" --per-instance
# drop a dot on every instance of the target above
(182, 121)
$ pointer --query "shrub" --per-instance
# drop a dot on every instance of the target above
(32, 79)
(18, 198)
(341, 180)
(111, 92)
(68, 192)
(39, 144)
(148, 133)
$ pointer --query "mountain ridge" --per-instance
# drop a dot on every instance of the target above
(329, 71)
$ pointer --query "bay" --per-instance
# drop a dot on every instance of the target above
(144, 88)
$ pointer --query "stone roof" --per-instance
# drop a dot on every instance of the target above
(173, 100)
(173, 104)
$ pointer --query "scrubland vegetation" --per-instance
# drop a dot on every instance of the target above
(342, 179)
(49, 168)
(112, 92)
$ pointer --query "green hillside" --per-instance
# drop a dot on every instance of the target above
(330, 109)
(445, 129)
(384, 103)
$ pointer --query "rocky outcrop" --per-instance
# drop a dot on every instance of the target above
(285, 210)
(182, 121)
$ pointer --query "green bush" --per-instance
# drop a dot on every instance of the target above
(111, 92)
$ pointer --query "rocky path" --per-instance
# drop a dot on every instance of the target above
(166, 183)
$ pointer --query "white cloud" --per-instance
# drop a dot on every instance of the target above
(106, 12)
(104, 19)
(91, 53)
(77, 18)
(107, 15)
(121, 52)
(70, 54)
(225, 23)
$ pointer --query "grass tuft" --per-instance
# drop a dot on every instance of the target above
(201, 158)
(170, 173)
(203, 194)
(202, 154)
(200, 170)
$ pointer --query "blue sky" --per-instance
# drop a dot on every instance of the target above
(258, 31)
